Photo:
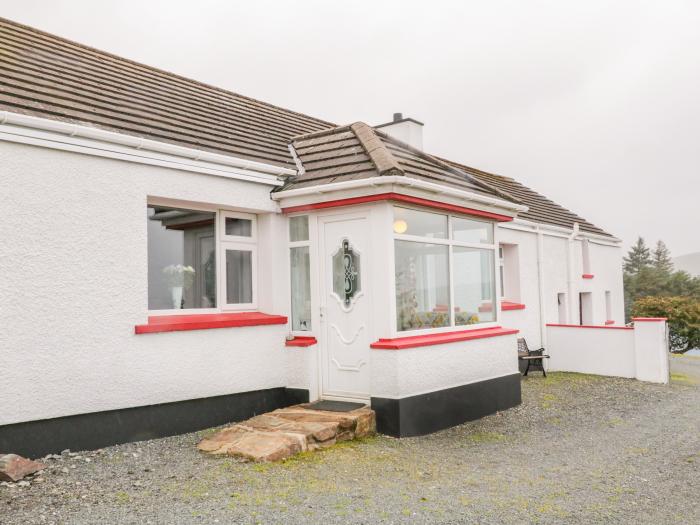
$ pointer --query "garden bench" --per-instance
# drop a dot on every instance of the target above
(533, 358)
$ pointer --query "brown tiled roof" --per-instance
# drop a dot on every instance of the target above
(540, 208)
(47, 76)
(359, 151)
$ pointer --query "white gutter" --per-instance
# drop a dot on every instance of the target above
(526, 225)
(399, 180)
(57, 134)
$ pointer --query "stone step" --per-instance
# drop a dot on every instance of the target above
(287, 431)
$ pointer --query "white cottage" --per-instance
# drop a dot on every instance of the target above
(176, 256)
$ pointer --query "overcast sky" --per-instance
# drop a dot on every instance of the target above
(594, 104)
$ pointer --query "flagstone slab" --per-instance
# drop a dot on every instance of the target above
(284, 432)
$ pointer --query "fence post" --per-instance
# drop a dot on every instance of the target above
(651, 349)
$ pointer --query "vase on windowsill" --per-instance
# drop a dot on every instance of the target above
(176, 294)
(178, 277)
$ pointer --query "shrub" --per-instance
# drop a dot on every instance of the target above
(683, 314)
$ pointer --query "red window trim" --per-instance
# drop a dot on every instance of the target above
(505, 305)
(591, 326)
(179, 323)
(302, 341)
(509, 305)
(401, 343)
(400, 198)
(588, 276)
(649, 319)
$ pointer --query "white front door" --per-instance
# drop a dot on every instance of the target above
(345, 306)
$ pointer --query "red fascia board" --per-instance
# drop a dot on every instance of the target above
(591, 326)
(508, 305)
(588, 276)
(301, 341)
(401, 343)
(649, 319)
(179, 323)
(400, 198)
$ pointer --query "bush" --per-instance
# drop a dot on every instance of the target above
(683, 314)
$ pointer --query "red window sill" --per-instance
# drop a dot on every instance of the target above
(505, 305)
(508, 305)
(301, 341)
(179, 323)
(415, 341)
(591, 326)
(588, 276)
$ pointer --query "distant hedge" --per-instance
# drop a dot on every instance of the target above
(683, 314)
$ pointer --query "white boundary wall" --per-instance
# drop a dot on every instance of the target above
(640, 352)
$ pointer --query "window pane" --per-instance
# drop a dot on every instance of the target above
(473, 275)
(239, 276)
(299, 228)
(422, 295)
(181, 259)
(301, 288)
(238, 227)
(467, 230)
(347, 274)
(423, 223)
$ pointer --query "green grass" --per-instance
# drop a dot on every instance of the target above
(681, 378)
(486, 437)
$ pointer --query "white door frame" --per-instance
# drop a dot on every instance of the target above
(322, 219)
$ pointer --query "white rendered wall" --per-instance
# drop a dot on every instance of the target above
(640, 352)
(74, 267)
(601, 351)
(606, 266)
(413, 371)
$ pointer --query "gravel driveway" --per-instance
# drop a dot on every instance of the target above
(580, 449)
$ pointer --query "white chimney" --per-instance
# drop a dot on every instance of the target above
(406, 130)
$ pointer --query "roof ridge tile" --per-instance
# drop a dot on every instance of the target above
(379, 154)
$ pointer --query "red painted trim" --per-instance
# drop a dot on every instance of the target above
(301, 341)
(508, 305)
(649, 319)
(415, 341)
(588, 276)
(400, 198)
(609, 321)
(178, 323)
(591, 326)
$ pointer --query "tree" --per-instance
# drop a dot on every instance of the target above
(661, 259)
(683, 314)
(649, 274)
(638, 257)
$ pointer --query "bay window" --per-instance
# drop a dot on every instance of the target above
(200, 259)
(300, 273)
(444, 270)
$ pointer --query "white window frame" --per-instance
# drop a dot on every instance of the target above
(222, 243)
(450, 242)
(223, 301)
(226, 214)
(300, 244)
(500, 275)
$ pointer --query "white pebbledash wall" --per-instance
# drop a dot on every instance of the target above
(74, 285)
(640, 352)
(403, 373)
